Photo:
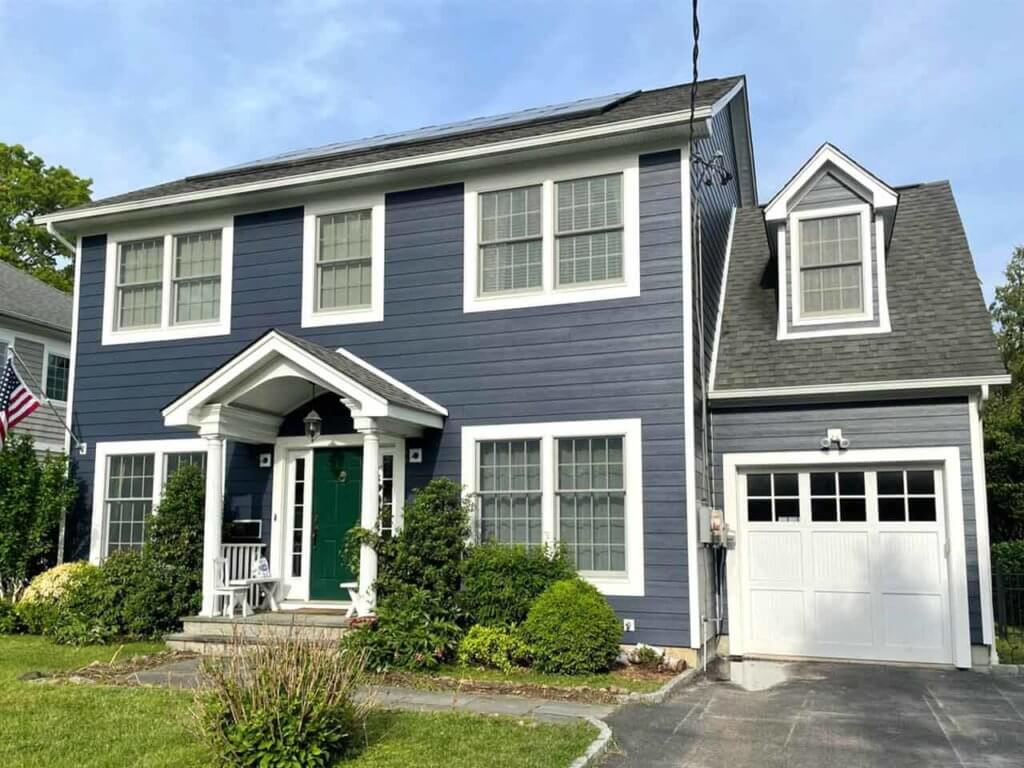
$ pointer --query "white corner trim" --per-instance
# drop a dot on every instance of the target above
(547, 176)
(721, 300)
(798, 319)
(681, 118)
(894, 385)
(689, 430)
(632, 583)
(947, 457)
(168, 330)
(311, 317)
(981, 519)
(884, 326)
(101, 455)
(882, 195)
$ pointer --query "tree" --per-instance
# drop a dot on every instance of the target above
(28, 188)
(1004, 413)
(34, 493)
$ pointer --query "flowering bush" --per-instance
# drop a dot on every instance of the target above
(39, 605)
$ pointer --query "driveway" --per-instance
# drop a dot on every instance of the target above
(822, 715)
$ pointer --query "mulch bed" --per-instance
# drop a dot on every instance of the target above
(579, 693)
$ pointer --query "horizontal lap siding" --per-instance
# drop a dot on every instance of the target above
(897, 424)
(46, 425)
(594, 360)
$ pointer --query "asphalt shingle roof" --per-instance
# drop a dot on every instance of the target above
(27, 298)
(640, 104)
(941, 327)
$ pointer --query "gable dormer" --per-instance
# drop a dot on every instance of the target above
(829, 224)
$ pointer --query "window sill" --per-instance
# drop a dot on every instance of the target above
(625, 585)
(172, 333)
(343, 317)
(574, 295)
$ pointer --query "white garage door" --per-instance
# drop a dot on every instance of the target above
(844, 564)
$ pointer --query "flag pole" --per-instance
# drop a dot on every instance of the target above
(12, 352)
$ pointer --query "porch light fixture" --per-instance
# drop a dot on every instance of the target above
(313, 422)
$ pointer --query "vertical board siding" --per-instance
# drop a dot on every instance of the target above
(897, 424)
(595, 360)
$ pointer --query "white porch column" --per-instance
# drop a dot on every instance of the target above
(368, 519)
(214, 521)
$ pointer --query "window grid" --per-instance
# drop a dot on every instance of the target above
(773, 497)
(589, 230)
(906, 495)
(344, 260)
(140, 283)
(57, 372)
(298, 515)
(591, 497)
(129, 500)
(510, 492)
(196, 278)
(831, 270)
(387, 495)
(510, 240)
(838, 497)
(175, 461)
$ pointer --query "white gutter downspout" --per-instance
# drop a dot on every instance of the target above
(51, 229)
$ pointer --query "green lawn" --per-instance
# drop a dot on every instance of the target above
(627, 680)
(47, 725)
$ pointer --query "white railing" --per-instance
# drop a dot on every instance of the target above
(241, 559)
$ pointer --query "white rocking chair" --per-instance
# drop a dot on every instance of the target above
(236, 594)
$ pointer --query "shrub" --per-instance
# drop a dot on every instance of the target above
(414, 630)
(93, 610)
(1008, 557)
(494, 648)
(286, 702)
(34, 494)
(38, 606)
(10, 622)
(500, 582)
(646, 656)
(572, 629)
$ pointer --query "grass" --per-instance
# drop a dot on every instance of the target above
(45, 725)
(626, 679)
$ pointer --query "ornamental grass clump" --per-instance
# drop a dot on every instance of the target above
(284, 702)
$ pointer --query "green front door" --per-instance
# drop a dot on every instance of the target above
(337, 494)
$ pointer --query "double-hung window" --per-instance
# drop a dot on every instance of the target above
(169, 285)
(57, 373)
(129, 500)
(560, 234)
(577, 485)
(511, 241)
(831, 266)
(343, 261)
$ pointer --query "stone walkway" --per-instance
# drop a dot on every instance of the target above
(184, 674)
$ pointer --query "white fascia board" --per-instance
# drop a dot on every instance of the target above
(883, 196)
(430, 404)
(721, 301)
(898, 385)
(679, 118)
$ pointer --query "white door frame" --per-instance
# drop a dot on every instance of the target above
(286, 450)
(948, 458)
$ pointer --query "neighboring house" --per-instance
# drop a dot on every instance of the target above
(35, 321)
(518, 303)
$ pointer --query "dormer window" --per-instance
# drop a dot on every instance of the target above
(831, 272)
(829, 227)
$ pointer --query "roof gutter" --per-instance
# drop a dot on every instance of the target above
(668, 119)
(56, 234)
(859, 388)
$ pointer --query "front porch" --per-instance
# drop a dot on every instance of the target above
(328, 474)
(213, 634)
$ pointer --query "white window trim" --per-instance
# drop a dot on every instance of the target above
(546, 177)
(632, 583)
(867, 312)
(167, 330)
(47, 351)
(159, 449)
(948, 458)
(311, 317)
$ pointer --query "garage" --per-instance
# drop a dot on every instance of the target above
(843, 561)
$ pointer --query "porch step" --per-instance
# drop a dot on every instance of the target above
(218, 632)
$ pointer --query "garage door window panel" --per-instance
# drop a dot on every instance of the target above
(838, 497)
(773, 497)
(906, 496)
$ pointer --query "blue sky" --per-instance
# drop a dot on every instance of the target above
(137, 92)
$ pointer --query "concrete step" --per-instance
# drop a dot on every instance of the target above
(332, 625)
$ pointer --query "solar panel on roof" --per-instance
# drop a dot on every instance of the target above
(536, 114)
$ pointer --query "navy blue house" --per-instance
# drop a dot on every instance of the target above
(583, 316)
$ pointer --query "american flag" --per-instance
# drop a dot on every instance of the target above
(16, 401)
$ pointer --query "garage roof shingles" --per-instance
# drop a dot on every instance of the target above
(941, 327)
